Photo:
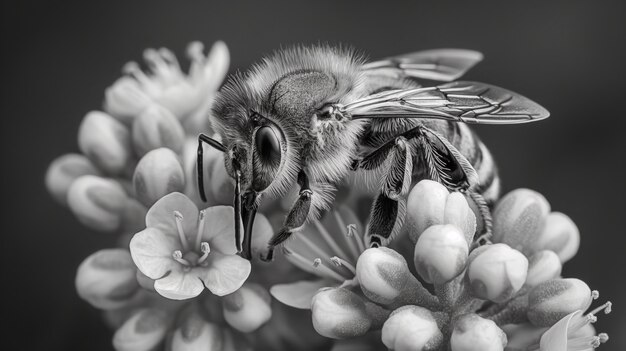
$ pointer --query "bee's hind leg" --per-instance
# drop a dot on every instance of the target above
(485, 212)
(295, 218)
(389, 208)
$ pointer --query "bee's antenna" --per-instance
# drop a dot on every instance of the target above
(216, 144)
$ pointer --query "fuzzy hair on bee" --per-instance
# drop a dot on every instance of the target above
(312, 115)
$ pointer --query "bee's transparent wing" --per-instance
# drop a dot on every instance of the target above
(439, 64)
(468, 102)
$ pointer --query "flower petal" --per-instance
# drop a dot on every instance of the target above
(151, 250)
(299, 294)
(219, 229)
(225, 273)
(161, 215)
(179, 285)
(555, 338)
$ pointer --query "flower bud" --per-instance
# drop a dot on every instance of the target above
(247, 308)
(411, 328)
(196, 334)
(106, 279)
(441, 253)
(261, 233)
(97, 202)
(554, 299)
(339, 313)
(518, 218)
(158, 173)
(497, 272)
(105, 141)
(157, 127)
(542, 266)
(142, 331)
(472, 332)
(125, 100)
(383, 274)
(63, 171)
(560, 235)
(430, 203)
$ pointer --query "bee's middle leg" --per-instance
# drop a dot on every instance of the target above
(295, 218)
(389, 208)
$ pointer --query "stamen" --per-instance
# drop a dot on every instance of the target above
(132, 69)
(181, 233)
(595, 294)
(580, 321)
(329, 240)
(606, 307)
(586, 342)
(604, 337)
(169, 56)
(340, 262)
(205, 249)
(354, 234)
(178, 257)
(194, 51)
(327, 272)
(154, 60)
(200, 230)
(351, 244)
(317, 250)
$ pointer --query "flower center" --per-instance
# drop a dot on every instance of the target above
(195, 254)
(338, 264)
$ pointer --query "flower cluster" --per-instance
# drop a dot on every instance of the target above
(457, 295)
(176, 281)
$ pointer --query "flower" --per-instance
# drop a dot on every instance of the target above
(184, 249)
(328, 249)
(412, 328)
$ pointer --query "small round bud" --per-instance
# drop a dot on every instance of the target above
(518, 218)
(157, 127)
(261, 233)
(411, 328)
(430, 203)
(441, 253)
(124, 99)
(247, 308)
(97, 202)
(383, 274)
(560, 234)
(497, 272)
(554, 299)
(158, 173)
(196, 334)
(542, 266)
(63, 171)
(339, 313)
(144, 330)
(105, 141)
(472, 332)
(106, 279)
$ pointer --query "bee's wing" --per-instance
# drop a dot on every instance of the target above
(468, 102)
(439, 64)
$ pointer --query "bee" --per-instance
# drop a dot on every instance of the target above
(313, 115)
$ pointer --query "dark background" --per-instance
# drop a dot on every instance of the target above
(59, 56)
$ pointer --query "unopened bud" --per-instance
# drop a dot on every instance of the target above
(106, 279)
(144, 330)
(261, 233)
(554, 299)
(430, 203)
(542, 266)
(518, 218)
(560, 234)
(497, 272)
(63, 171)
(157, 127)
(97, 202)
(411, 328)
(196, 334)
(473, 333)
(125, 100)
(383, 274)
(247, 308)
(105, 141)
(158, 173)
(339, 313)
(441, 253)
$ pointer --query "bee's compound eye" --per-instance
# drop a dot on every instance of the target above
(267, 145)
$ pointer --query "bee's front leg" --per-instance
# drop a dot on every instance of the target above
(295, 218)
(389, 208)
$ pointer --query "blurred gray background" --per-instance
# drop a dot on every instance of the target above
(59, 56)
